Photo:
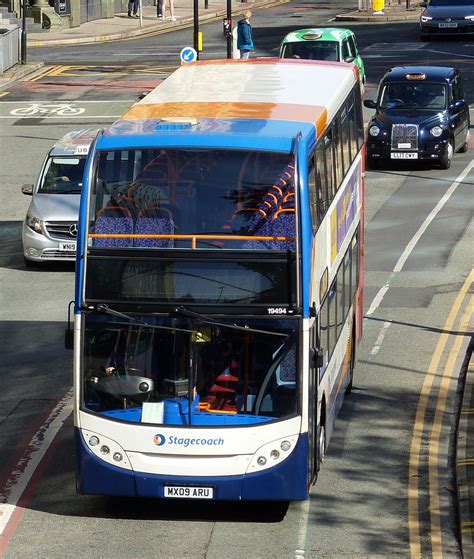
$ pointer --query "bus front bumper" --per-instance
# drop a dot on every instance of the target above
(285, 482)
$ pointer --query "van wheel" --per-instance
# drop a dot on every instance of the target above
(446, 158)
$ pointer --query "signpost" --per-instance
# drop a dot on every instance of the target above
(188, 54)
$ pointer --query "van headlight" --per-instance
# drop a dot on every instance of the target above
(436, 131)
(424, 19)
(35, 224)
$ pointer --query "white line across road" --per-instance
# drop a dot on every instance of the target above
(376, 302)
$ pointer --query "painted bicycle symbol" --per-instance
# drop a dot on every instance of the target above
(59, 109)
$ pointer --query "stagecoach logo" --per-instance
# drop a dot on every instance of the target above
(159, 440)
(73, 230)
(171, 440)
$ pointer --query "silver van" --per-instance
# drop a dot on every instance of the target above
(50, 227)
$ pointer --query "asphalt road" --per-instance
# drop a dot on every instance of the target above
(386, 488)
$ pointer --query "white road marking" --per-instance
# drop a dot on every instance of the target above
(302, 528)
(381, 336)
(408, 250)
(32, 456)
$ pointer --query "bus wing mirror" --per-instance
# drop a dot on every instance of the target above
(69, 338)
(316, 357)
(69, 333)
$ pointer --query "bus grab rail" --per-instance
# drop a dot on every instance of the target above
(193, 238)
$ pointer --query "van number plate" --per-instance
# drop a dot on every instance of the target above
(188, 492)
(69, 247)
(452, 24)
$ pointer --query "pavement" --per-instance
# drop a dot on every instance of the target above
(122, 27)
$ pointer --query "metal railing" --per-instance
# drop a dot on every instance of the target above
(9, 46)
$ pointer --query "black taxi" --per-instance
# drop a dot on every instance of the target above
(421, 114)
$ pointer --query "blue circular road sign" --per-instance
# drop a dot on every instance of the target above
(188, 54)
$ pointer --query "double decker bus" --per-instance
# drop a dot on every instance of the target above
(218, 301)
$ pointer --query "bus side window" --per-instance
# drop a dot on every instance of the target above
(329, 161)
(324, 335)
(339, 301)
(347, 282)
(313, 195)
(353, 129)
(355, 264)
(321, 183)
(346, 140)
(331, 300)
(338, 162)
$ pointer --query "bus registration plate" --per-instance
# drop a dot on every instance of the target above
(188, 492)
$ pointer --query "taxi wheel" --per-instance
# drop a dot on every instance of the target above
(372, 163)
(446, 158)
(465, 145)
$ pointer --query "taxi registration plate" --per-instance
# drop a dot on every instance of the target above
(67, 247)
(397, 155)
(188, 492)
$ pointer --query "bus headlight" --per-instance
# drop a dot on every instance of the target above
(106, 450)
(271, 454)
(436, 131)
(374, 130)
(35, 224)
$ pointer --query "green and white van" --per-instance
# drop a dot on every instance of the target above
(323, 43)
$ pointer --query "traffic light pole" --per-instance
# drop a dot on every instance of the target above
(229, 35)
(196, 26)
(23, 32)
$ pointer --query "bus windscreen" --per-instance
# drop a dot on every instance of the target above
(148, 370)
(193, 198)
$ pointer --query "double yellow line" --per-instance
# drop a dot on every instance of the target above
(420, 426)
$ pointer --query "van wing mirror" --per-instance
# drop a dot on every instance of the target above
(27, 189)
(370, 104)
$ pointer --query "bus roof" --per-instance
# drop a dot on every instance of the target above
(265, 89)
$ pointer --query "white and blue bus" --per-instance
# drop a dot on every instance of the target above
(218, 298)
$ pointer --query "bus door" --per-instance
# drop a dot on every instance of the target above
(313, 427)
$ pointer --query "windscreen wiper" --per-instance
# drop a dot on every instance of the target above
(183, 311)
(106, 310)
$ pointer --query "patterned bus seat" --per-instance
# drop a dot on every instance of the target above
(113, 220)
(154, 221)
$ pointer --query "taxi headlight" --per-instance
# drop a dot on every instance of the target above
(424, 19)
(374, 130)
(436, 131)
(35, 224)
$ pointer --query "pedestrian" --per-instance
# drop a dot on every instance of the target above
(245, 35)
(160, 9)
(133, 7)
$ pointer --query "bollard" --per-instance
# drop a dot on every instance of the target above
(378, 6)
